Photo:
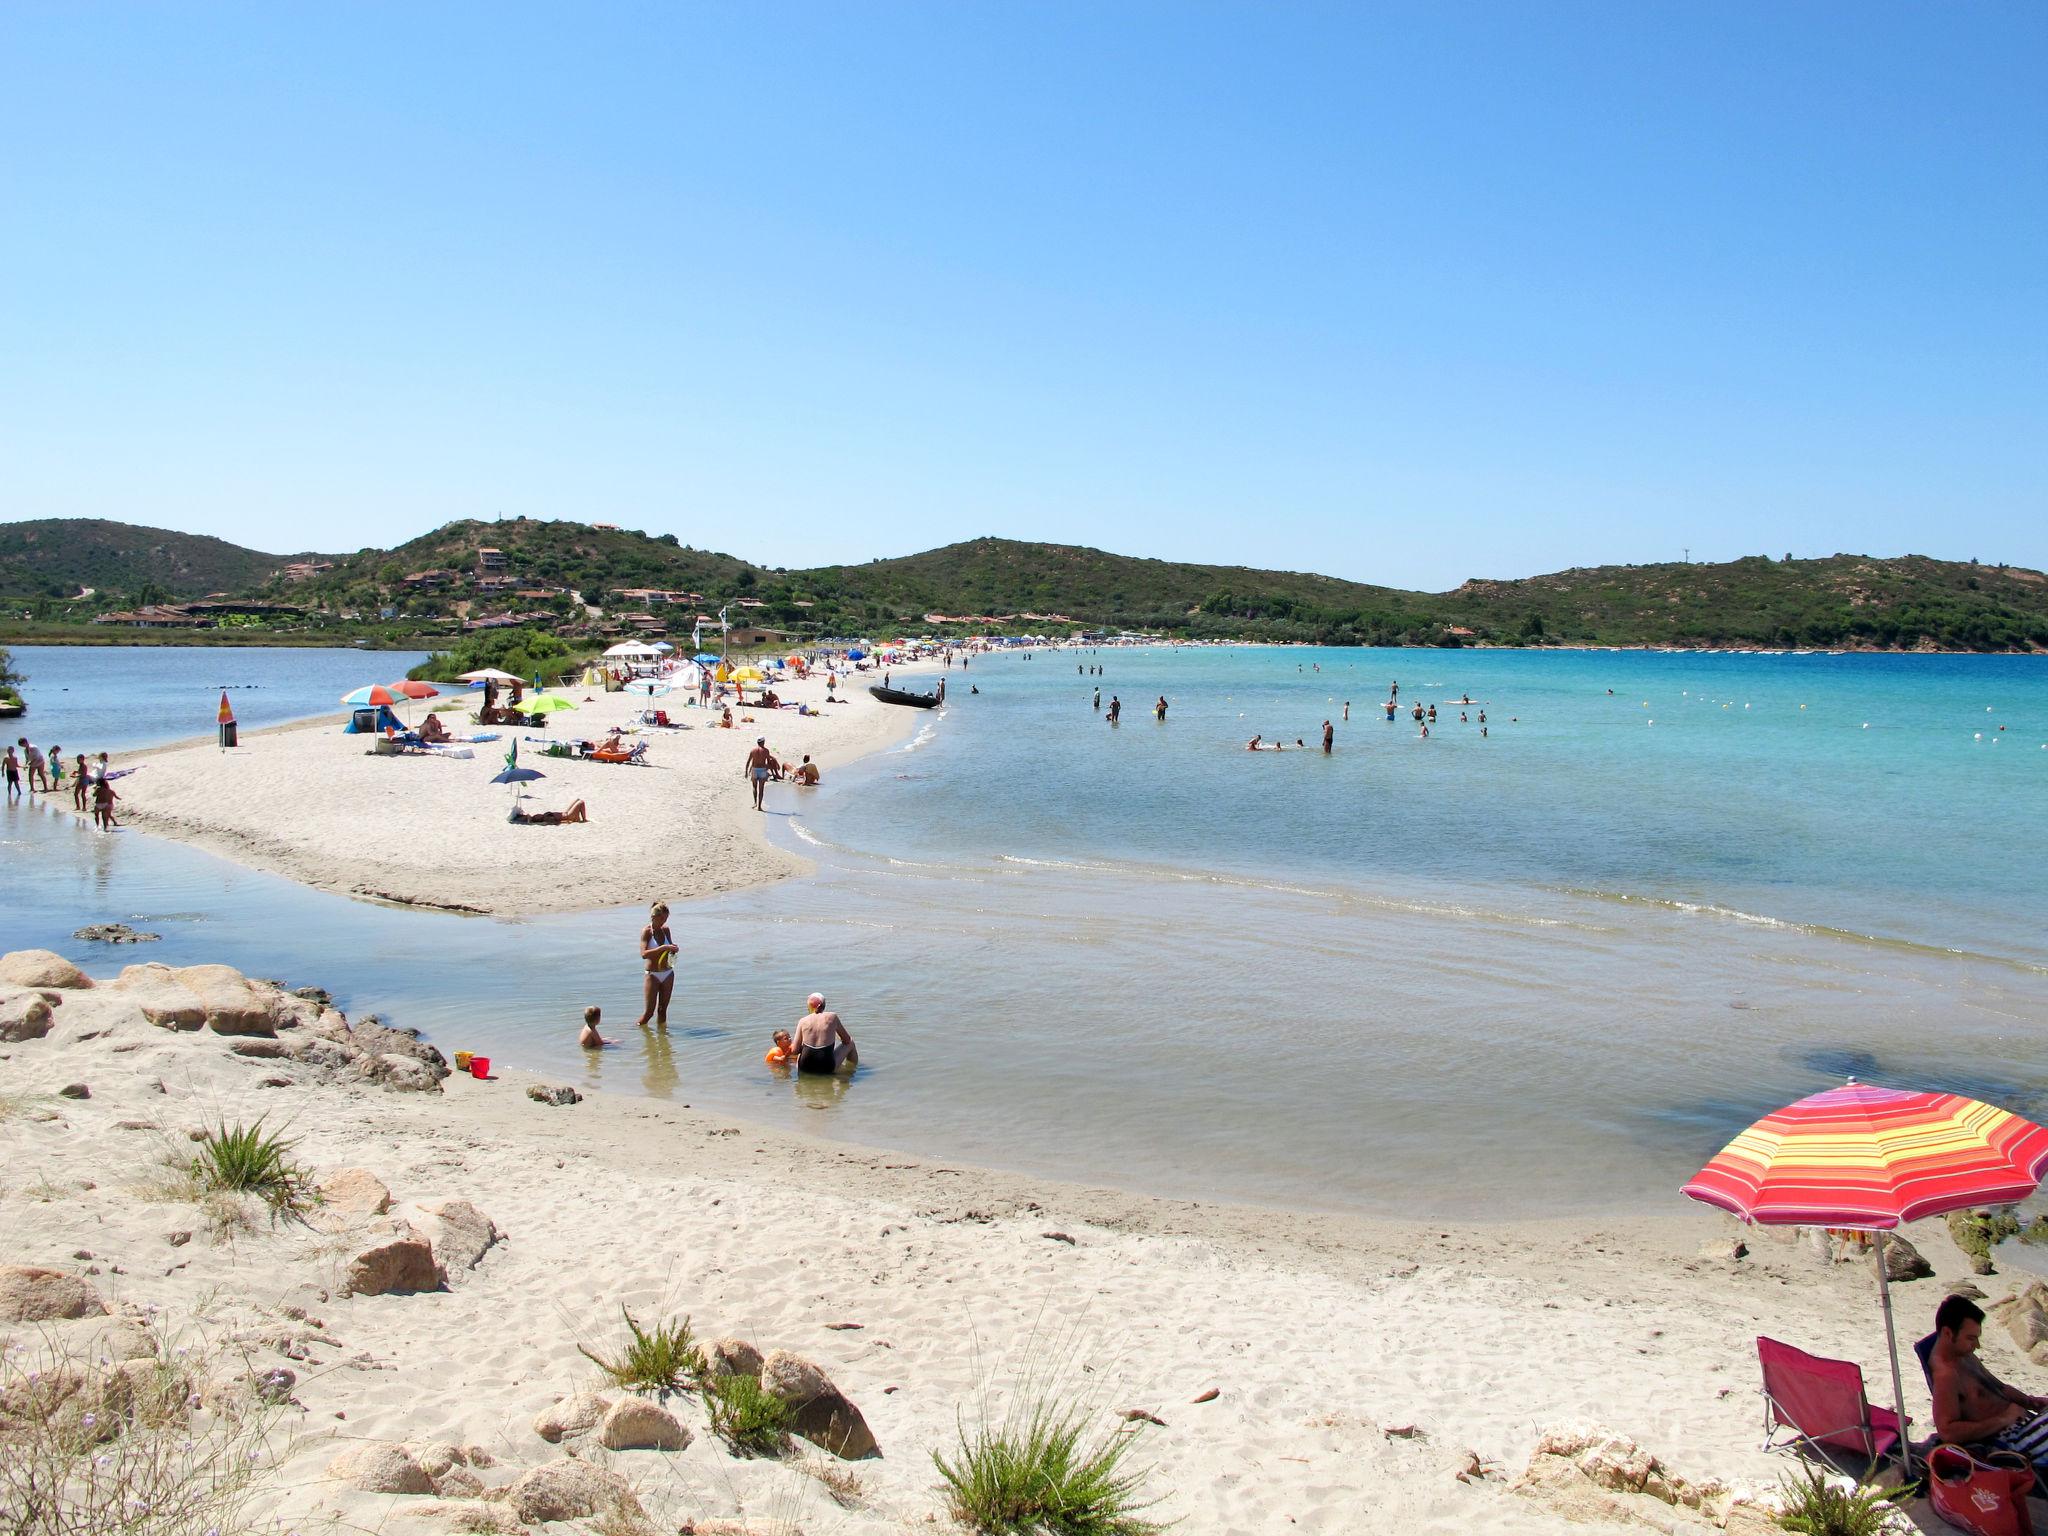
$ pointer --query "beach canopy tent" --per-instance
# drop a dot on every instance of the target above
(488, 675)
(1861, 1158)
(634, 649)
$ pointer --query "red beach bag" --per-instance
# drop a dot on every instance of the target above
(1986, 1498)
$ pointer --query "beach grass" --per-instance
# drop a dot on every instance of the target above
(248, 1160)
(746, 1417)
(661, 1359)
(1817, 1505)
(1045, 1469)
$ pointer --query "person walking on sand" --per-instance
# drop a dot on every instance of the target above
(658, 951)
(823, 1045)
(760, 768)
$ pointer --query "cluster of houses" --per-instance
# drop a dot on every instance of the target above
(198, 615)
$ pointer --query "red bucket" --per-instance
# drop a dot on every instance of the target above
(480, 1066)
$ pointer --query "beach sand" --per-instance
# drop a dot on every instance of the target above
(1357, 1367)
(313, 804)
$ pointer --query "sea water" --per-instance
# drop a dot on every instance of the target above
(1546, 970)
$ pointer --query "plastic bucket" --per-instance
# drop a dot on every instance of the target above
(463, 1059)
(479, 1066)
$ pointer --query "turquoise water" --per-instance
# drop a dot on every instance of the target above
(1547, 971)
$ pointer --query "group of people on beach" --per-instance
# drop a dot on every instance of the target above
(819, 1044)
(28, 767)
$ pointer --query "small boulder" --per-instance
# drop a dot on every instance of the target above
(23, 1016)
(32, 1295)
(41, 968)
(570, 1490)
(378, 1467)
(1723, 1250)
(634, 1424)
(731, 1357)
(1902, 1261)
(405, 1074)
(355, 1192)
(234, 1005)
(163, 999)
(74, 1091)
(2025, 1316)
(461, 1234)
(577, 1414)
(260, 1048)
(555, 1096)
(398, 1266)
(819, 1411)
(114, 933)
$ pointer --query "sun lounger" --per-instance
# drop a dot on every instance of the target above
(1822, 1404)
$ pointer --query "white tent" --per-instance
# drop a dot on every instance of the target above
(634, 649)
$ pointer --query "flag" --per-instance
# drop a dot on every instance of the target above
(722, 625)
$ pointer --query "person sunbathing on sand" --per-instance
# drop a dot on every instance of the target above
(590, 1039)
(577, 812)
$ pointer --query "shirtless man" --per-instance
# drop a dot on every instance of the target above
(807, 771)
(822, 1044)
(1971, 1404)
(760, 768)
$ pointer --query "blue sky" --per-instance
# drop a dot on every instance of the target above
(1405, 293)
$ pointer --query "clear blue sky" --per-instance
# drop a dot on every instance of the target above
(1404, 293)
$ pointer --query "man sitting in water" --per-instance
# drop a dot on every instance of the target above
(1972, 1406)
(524, 818)
(822, 1044)
(807, 771)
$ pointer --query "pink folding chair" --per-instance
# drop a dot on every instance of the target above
(1821, 1403)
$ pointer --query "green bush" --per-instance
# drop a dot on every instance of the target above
(746, 1417)
(1814, 1506)
(1048, 1474)
(661, 1359)
(1978, 1235)
(522, 652)
(247, 1160)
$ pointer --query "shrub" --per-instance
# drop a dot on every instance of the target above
(746, 1417)
(1815, 1505)
(1048, 1473)
(85, 1450)
(247, 1160)
(662, 1359)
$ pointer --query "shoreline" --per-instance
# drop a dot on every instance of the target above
(1292, 1365)
(675, 830)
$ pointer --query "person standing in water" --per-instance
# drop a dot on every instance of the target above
(823, 1045)
(658, 951)
(1329, 737)
(1098, 701)
(1116, 708)
(1347, 709)
(1159, 709)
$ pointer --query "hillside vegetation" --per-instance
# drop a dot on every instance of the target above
(1841, 601)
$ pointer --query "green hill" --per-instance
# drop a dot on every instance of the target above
(54, 557)
(1840, 601)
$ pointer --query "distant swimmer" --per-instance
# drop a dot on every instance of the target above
(1432, 714)
(1329, 736)
(1252, 745)
(1347, 709)
(1425, 730)
(1482, 717)
(1098, 700)
(1390, 709)
(1159, 709)
(1395, 690)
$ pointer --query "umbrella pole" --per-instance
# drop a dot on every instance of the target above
(1891, 1344)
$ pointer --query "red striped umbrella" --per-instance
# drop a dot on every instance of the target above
(1868, 1158)
(413, 690)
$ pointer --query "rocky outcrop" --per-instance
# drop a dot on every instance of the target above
(2025, 1317)
(32, 1295)
(41, 968)
(634, 1424)
(114, 933)
(461, 1234)
(1902, 1261)
(819, 1411)
(570, 1490)
(1592, 1475)
(557, 1097)
(379, 1467)
(397, 1266)
(355, 1192)
(571, 1416)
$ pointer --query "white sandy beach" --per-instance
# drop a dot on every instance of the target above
(1358, 1368)
(312, 804)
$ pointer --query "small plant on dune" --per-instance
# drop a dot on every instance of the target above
(1816, 1505)
(1044, 1470)
(746, 1417)
(247, 1160)
(661, 1359)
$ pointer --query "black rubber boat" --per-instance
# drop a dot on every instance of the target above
(898, 696)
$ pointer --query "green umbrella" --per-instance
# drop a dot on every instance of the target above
(544, 704)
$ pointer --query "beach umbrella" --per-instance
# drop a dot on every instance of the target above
(663, 645)
(414, 690)
(374, 693)
(653, 687)
(856, 654)
(1862, 1158)
(545, 704)
(750, 675)
(515, 775)
(486, 675)
(705, 659)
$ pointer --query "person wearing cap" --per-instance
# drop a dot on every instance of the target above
(822, 1044)
(760, 768)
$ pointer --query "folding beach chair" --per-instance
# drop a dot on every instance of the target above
(1823, 1405)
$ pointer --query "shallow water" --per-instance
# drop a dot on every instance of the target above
(1549, 971)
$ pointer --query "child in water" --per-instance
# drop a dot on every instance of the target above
(590, 1039)
(783, 1051)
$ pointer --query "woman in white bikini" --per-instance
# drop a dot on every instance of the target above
(658, 949)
